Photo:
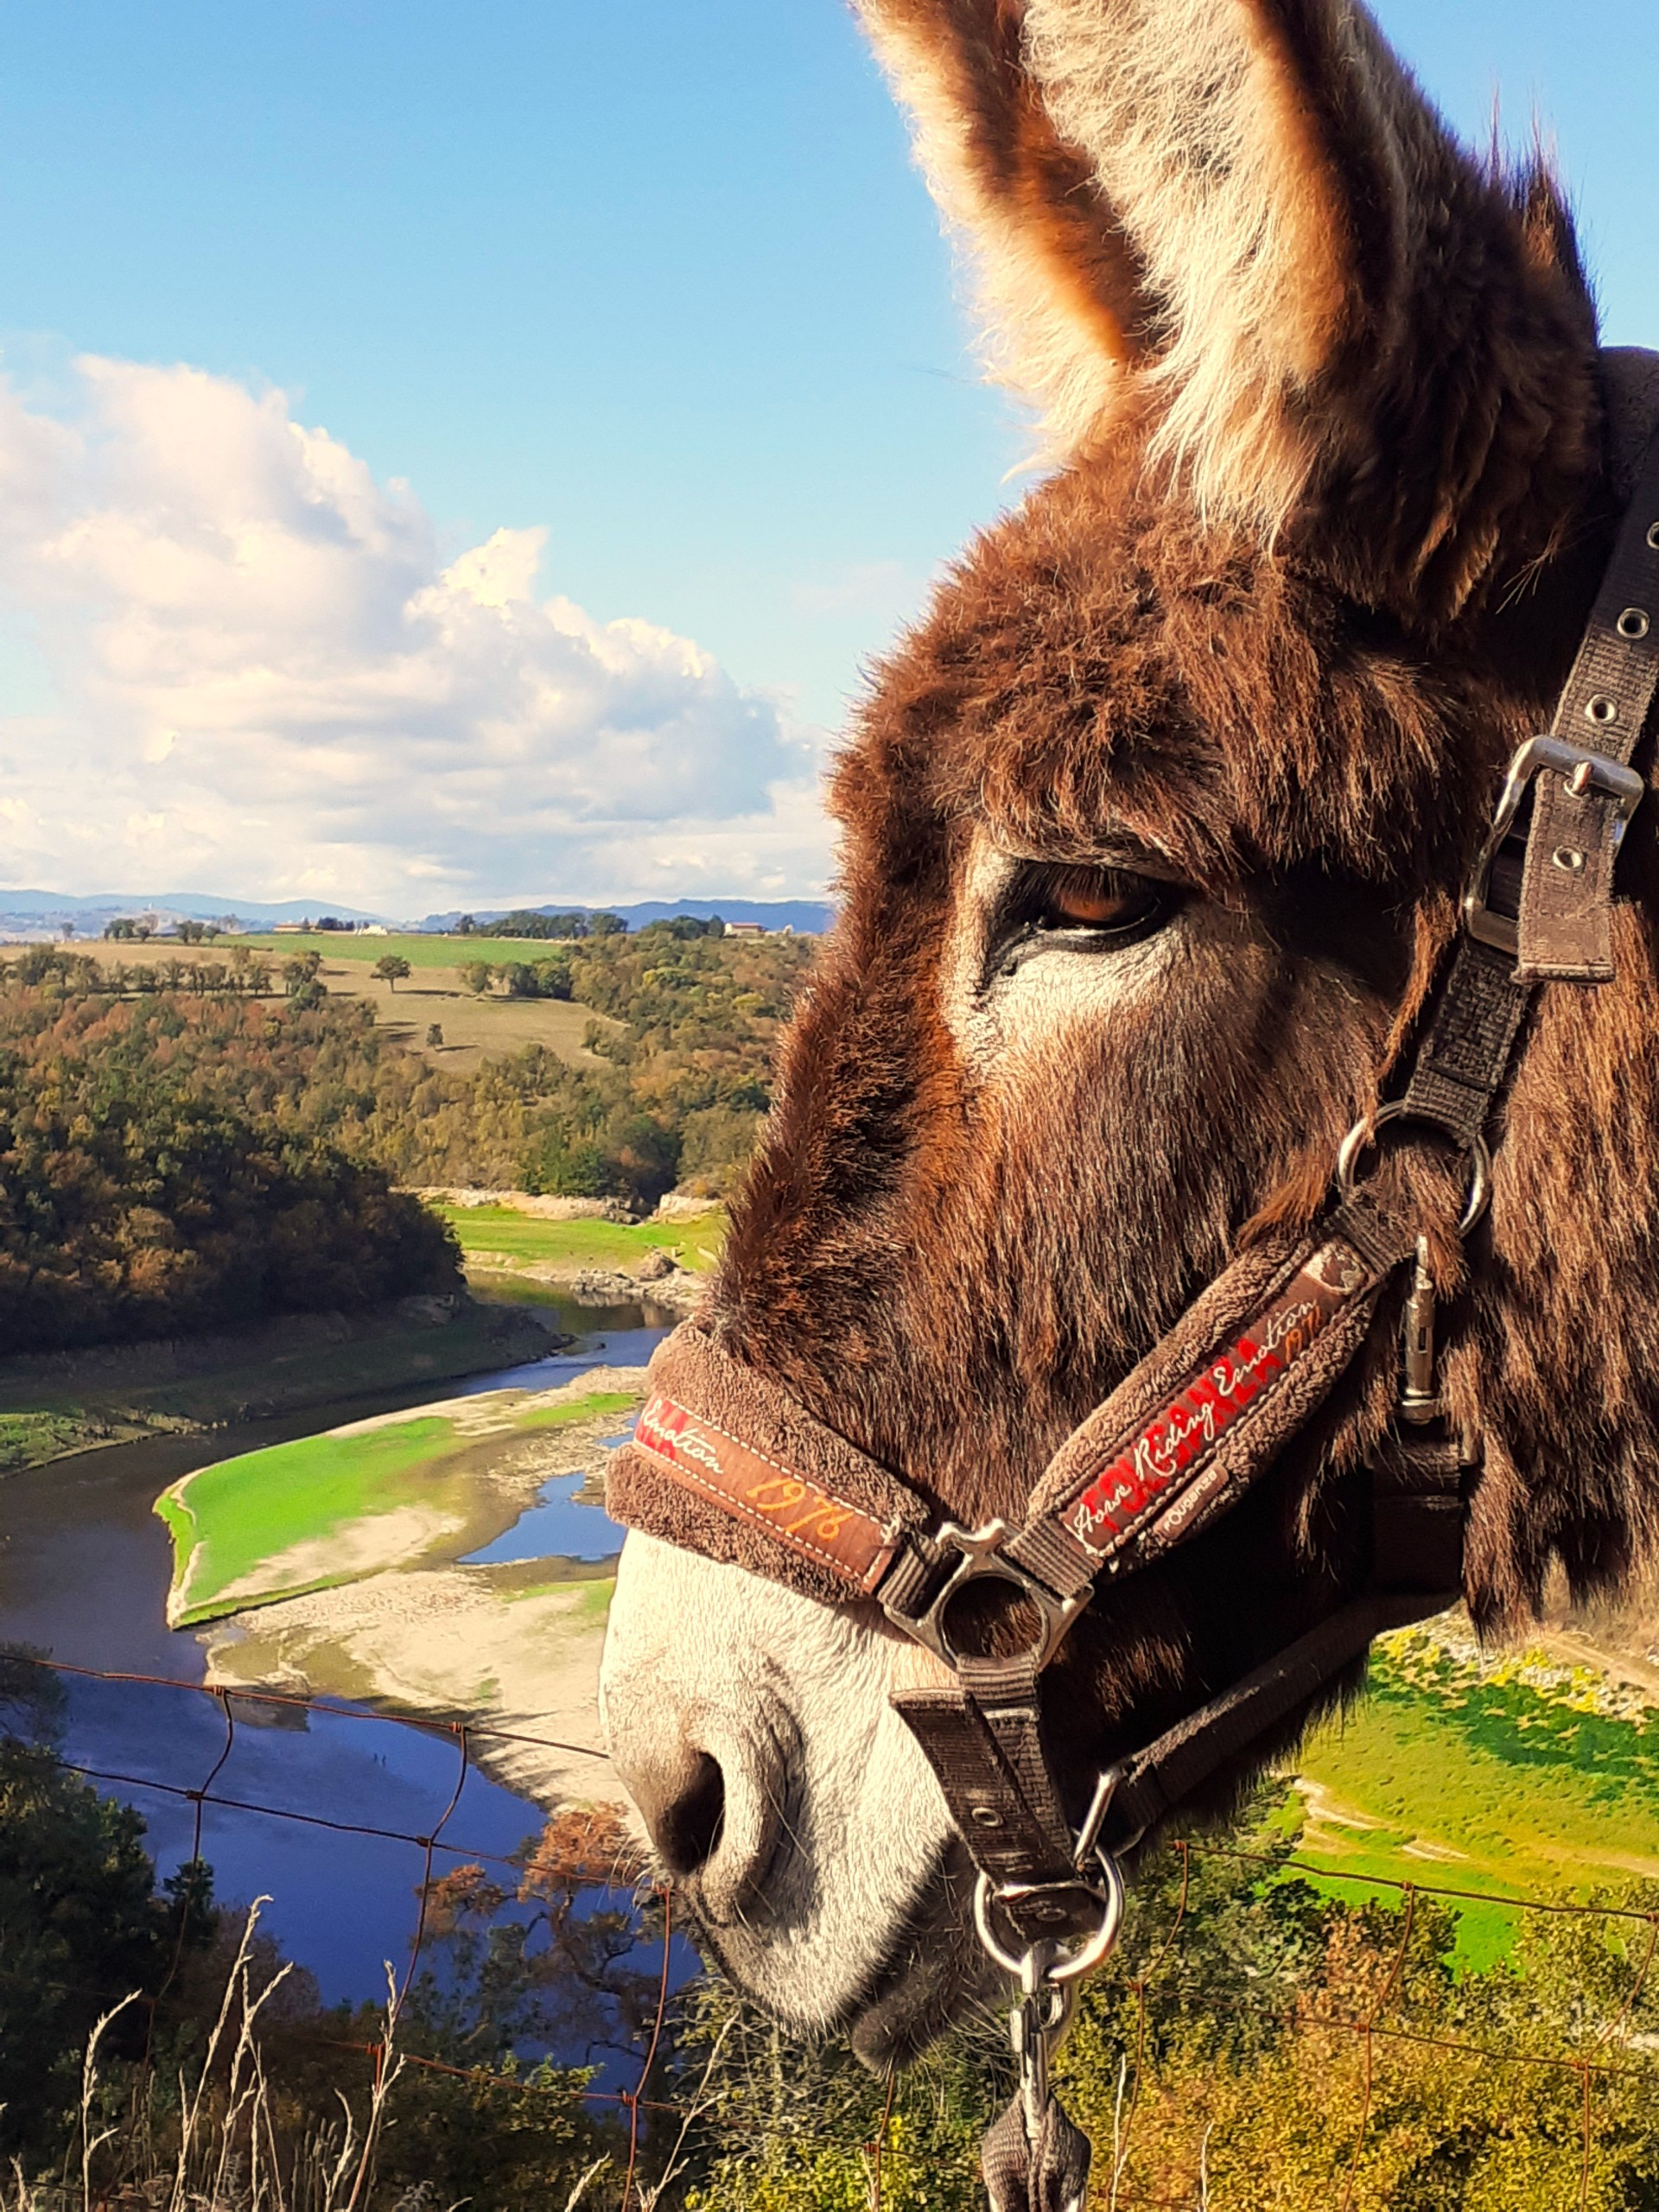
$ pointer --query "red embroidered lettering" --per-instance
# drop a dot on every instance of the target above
(1189, 1427)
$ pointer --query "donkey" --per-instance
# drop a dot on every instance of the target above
(1153, 831)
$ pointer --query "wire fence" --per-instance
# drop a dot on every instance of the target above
(1606, 2047)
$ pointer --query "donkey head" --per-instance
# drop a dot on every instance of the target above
(1152, 831)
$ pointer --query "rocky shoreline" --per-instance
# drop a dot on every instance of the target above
(53, 1405)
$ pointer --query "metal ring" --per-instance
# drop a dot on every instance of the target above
(1064, 1968)
(1365, 1133)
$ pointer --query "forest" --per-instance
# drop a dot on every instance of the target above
(147, 1188)
(181, 1148)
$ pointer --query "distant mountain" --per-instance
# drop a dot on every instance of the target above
(29, 914)
(807, 917)
(43, 913)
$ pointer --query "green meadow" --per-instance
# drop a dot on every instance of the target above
(420, 951)
(1517, 1776)
(328, 1510)
(490, 1236)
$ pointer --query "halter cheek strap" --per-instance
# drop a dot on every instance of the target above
(725, 1462)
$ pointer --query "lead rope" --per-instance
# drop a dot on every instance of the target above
(1035, 2159)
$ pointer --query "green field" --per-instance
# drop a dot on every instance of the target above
(328, 1510)
(1517, 1776)
(492, 1235)
(420, 951)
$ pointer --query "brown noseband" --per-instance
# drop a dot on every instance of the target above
(725, 1462)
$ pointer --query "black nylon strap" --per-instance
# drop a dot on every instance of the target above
(1555, 879)
(985, 1745)
(1464, 1055)
(1157, 1779)
(1564, 925)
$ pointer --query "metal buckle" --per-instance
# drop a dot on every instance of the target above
(1101, 1897)
(1576, 766)
(980, 1558)
(1048, 1972)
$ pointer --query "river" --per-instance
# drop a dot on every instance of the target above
(85, 1567)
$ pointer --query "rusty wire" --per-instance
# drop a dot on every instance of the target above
(1369, 2030)
(632, 2099)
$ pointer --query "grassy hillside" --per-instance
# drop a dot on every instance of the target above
(495, 1237)
(473, 1026)
(1514, 1775)
(668, 1083)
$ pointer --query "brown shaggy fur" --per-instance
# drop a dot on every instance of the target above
(1306, 719)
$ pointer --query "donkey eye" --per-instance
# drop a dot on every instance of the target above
(1106, 899)
(1079, 910)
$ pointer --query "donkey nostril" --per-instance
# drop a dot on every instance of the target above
(687, 1829)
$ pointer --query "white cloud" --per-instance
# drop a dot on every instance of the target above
(270, 682)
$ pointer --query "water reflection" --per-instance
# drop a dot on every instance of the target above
(561, 1524)
(85, 1567)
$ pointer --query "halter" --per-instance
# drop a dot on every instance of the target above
(725, 1462)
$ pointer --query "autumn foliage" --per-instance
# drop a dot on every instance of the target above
(179, 1150)
(151, 1185)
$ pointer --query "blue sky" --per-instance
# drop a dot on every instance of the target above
(656, 280)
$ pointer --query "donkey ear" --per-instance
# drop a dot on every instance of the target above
(1244, 215)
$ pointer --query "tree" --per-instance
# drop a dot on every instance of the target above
(300, 970)
(684, 927)
(527, 921)
(607, 925)
(78, 1929)
(477, 975)
(434, 1034)
(389, 968)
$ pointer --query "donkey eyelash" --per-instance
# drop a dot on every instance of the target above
(1077, 909)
